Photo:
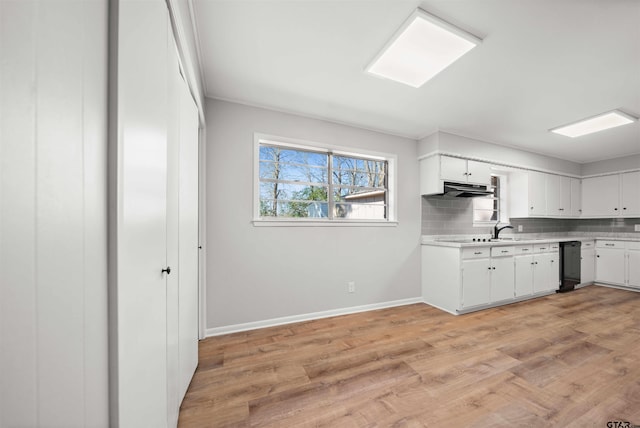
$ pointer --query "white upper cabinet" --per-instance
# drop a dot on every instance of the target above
(616, 195)
(537, 184)
(537, 194)
(600, 196)
(576, 196)
(558, 195)
(527, 194)
(435, 170)
(465, 171)
(630, 194)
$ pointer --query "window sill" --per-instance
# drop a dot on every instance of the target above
(322, 223)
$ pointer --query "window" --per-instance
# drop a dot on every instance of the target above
(303, 183)
(491, 209)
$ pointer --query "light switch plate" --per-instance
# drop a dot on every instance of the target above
(637, 229)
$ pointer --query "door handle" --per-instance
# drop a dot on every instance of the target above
(167, 270)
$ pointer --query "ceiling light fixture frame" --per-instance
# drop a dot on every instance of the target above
(558, 129)
(434, 20)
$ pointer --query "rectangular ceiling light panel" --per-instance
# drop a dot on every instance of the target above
(597, 123)
(423, 47)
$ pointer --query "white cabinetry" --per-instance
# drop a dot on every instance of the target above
(633, 264)
(600, 196)
(618, 263)
(610, 262)
(587, 262)
(460, 280)
(527, 194)
(536, 269)
(558, 194)
(487, 275)
(465, 171)
(536, 194)
(576, 196)
(502, 274)
(437, 169)
(523, 270)
(476, 282)
(616, 195)
(630, 194)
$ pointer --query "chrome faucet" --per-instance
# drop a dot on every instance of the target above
(496, 231)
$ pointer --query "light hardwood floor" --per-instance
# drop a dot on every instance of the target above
(566, 360)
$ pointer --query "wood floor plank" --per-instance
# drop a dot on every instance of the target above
(568, 359)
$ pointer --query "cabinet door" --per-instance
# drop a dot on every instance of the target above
(610, 265)
(453, 169)
(558, 196)
(576, 196)
(587, 265)
(554, 195)
(600, 196)
(537, 194)
(476, 276)
(633, 268)
(546, 272)
(523, 275)
(478, 172)
(630, 183)
(502, 279)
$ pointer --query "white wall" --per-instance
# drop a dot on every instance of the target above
(612, 165)
(455, 144)
(53, 285)
(262, 273)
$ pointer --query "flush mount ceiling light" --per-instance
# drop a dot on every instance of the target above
(422, 47)
(603, 121)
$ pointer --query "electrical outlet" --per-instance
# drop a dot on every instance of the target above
(519, 228)
(351, 287)
(637, 228)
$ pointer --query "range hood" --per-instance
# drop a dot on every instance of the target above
(464, 190)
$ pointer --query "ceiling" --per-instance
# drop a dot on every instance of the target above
(542, 63)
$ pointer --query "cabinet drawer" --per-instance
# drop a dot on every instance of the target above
(524, 249)
(542, 248)
(555, 247)
(610, 244)
(476, 253)
(588, 244)
(633, 245)
(502, 251)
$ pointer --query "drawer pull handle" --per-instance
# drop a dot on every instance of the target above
(610, 245)
(477, 253)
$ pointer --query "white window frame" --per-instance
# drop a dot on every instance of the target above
(294, 143)
(502, 210)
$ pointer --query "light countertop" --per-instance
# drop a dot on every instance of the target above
(451, 242)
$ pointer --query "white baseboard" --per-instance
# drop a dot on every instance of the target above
(217, 331)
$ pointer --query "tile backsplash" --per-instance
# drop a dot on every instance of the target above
(449, 216)
(441, 216)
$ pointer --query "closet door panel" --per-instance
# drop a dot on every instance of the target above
(188, 237)
(18, 349)
(143, 111)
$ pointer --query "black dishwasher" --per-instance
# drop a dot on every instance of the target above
(569, 265)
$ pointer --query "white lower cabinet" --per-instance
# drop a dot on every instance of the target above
(610, 262)
(618, 263)
(537, 269)
(460, 280)
(476, 282)
(633, 267)
(502, 277)
(587, 262)
(489, 279)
